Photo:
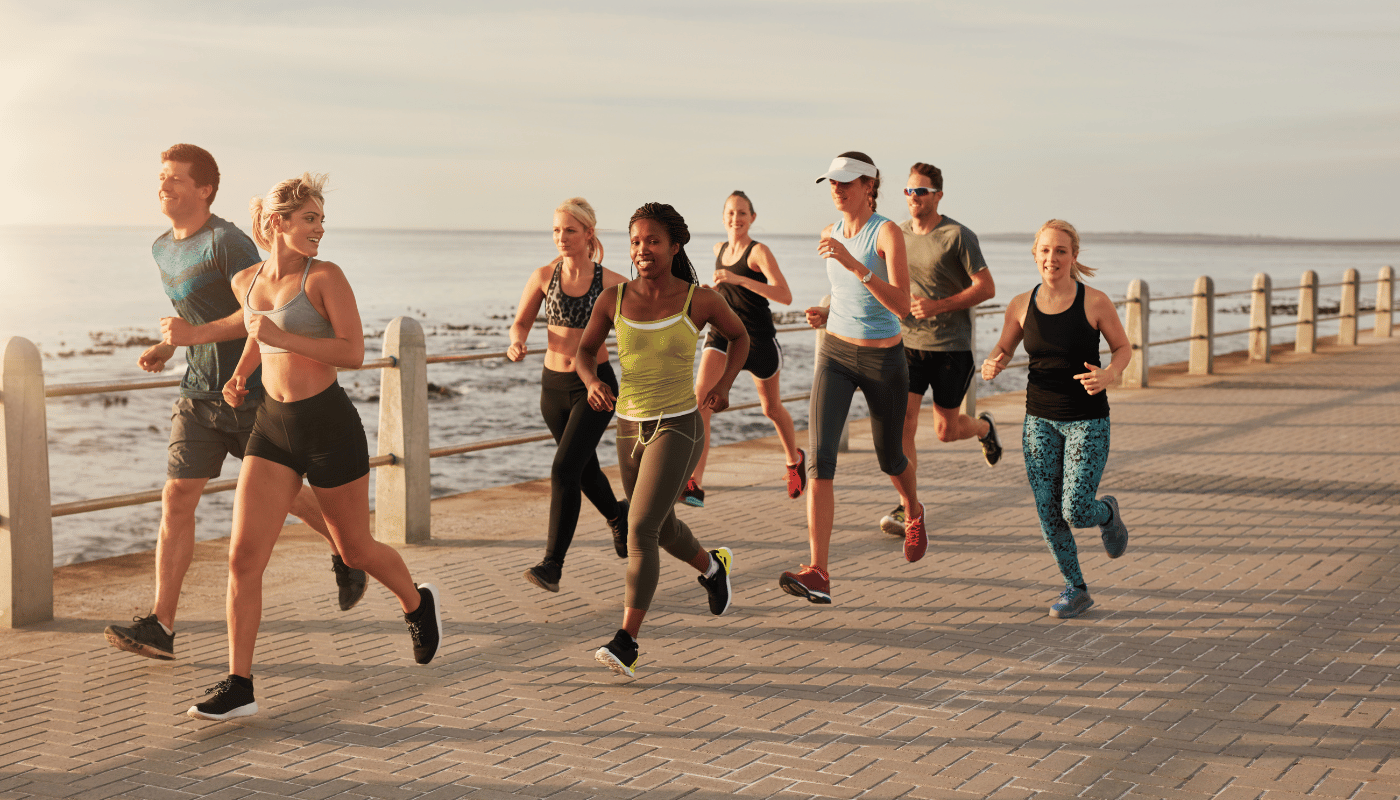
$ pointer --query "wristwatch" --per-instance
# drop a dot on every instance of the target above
(868, 276)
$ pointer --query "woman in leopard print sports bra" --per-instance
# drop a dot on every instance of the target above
(567, 288)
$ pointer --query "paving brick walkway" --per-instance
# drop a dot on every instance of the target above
(1244, 648)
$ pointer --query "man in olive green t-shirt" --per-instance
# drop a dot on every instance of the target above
(947, 277)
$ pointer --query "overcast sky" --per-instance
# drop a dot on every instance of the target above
(1273, 118)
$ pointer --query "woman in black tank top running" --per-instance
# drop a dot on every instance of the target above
(747, 276)
(1066, 432)
(567, 288)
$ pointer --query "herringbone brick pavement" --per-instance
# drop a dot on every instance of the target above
(1243, 648)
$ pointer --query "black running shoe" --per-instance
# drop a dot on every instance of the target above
(425, 624)
(991, 443)
(145, 638)
(718, 585)
(619, 655)
(232, 697)
(619, 529)
(351, 583)
(545, 575)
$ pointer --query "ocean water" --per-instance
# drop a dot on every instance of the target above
(91, 299)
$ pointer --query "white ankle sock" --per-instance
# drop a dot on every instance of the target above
(714, 566)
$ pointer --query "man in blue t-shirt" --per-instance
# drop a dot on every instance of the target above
(198, 258)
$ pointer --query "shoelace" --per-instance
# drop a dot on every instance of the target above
(415, 631)
(909, 532)
(222, 686)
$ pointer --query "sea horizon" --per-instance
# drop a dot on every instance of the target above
(1106, 237)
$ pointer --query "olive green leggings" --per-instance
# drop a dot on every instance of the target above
(655, 458)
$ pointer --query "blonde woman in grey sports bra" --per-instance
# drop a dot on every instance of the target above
(303, 323)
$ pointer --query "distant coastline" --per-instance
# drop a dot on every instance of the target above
(1118, 237)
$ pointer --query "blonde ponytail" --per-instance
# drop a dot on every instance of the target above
(283, 200)
(579, 209)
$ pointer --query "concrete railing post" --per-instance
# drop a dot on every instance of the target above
(1139, 315)
(1202, 358)
(1351, 294)
(1260, 307)
(26, 527)
(1385, 298)
(402, 495)
(845, 445)
(969, 404)
(1306, 339)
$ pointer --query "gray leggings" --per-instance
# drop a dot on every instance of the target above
(656, 458)
(882, 375)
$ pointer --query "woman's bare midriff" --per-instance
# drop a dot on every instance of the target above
(890, 341)
(563, 344)
(288, 377)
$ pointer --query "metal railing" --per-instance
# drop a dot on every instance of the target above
(402, 490)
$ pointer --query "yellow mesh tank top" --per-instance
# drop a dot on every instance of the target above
(658, 363)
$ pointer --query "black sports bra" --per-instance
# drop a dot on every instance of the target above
(571, 312)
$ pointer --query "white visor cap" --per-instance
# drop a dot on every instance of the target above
(845, 170)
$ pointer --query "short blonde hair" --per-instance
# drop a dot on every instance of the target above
(283, 200)
(579, 209)
(1078, 271)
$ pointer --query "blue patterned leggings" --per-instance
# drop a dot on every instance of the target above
(1064, 461)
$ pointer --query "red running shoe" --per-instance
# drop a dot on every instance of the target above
(797, 476)
(810, 582)
(915, 539)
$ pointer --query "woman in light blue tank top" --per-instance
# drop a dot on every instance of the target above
(862, 349)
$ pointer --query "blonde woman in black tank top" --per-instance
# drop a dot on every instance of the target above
(568, 287)
(747, 275)
(1066, 433)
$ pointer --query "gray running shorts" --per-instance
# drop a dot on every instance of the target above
(203, 432)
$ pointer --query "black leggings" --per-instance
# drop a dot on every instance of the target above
(882, 375)
(577, 429)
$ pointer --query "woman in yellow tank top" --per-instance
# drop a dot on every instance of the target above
(658, 317)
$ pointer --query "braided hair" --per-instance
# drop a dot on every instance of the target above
(676, 230)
